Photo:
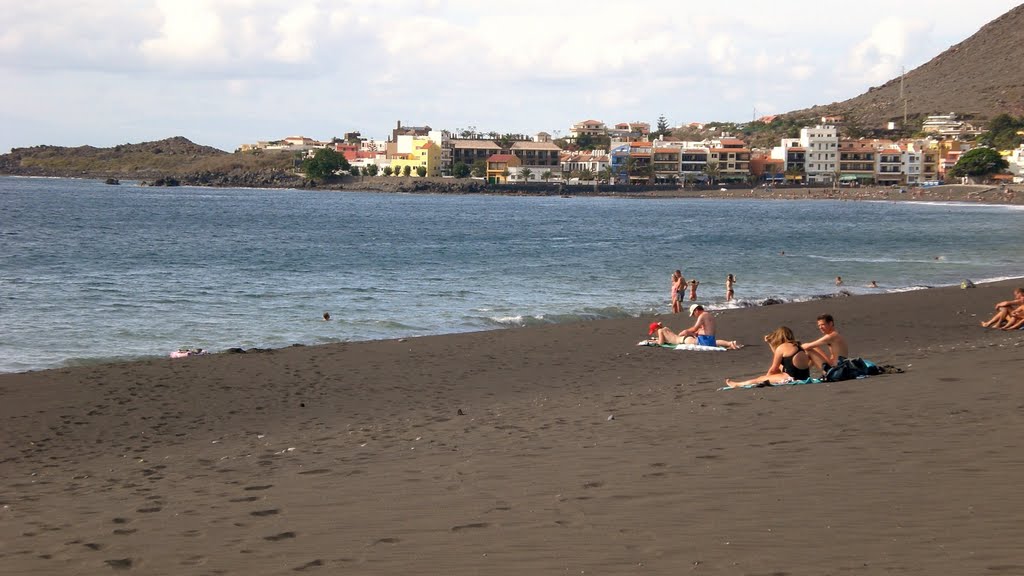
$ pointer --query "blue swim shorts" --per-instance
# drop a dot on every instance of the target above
(705, 340)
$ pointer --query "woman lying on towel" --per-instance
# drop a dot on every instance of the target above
(789, 362)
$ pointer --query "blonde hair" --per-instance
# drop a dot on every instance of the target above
(780, 335)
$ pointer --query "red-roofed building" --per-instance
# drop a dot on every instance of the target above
(498, 166)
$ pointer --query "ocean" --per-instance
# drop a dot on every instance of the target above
(95, 273)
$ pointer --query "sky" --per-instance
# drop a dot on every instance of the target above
(227, 72)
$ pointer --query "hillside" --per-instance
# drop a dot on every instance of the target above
(979, 78)
(177, 158)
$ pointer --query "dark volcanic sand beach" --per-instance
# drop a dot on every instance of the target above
(354, 459)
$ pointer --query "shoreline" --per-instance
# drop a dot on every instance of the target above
(549, 448)
(713, 306)
(1013, 195)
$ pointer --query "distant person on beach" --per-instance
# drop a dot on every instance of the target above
(327, 316)
(873, 284)
(839, 280)
(831, 348)
(693, 290)
(678, 291)
(789, 361)
(1005, 309)
(730, 281)
(703, 330)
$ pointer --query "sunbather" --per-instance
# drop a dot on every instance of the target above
(789, 362)
(1004, 309)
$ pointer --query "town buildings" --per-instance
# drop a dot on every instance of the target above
(821, 155)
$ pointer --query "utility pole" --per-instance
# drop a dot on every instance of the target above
(903, 70)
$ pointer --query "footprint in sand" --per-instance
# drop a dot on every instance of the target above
(270, 512)
(266, 487)
(281, 536)
(469, 526)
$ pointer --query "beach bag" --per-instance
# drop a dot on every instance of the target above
(850, 369)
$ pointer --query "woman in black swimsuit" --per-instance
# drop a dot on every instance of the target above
(789, 362)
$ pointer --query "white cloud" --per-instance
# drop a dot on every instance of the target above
(211, 66)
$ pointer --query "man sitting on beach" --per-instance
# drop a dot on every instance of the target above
(703, 331)
(1005, 310)
(831, 341)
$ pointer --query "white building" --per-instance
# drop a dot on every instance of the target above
(822, 152)
(1016, 161)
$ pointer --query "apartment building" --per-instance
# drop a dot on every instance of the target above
(890, 167)
(732, 157)
(821, 145)
(499, 167)
(856, 162)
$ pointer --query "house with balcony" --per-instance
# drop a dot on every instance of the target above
(471, 151)
(589, 128)
(856, 162)
(537, 155)
(693, 164)
(821, 145)
(575, 162)
(890, 167)
(732, 157)
(666, 162)
(639, 164)
(500, 166)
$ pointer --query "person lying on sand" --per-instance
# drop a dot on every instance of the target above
(831, 348)
(789, 362)
(1004, 309)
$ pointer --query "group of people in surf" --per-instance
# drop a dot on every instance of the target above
(680, 287)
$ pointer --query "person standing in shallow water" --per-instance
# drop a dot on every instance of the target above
(730, 281)
(678, 291)
(693, 289)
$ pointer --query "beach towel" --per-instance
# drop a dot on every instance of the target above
(688, 347)
(765, 384)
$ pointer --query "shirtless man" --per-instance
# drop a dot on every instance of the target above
(703, 331)
(831, 341)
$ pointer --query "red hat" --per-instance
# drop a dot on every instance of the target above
(653, 328)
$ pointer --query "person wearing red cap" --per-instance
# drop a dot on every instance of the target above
(663, 335)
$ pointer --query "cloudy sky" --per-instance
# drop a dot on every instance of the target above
(225, 72)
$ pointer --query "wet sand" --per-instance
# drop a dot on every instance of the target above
(546, 450)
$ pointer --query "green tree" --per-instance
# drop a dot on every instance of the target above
(1003, 132)
(407, 170)
(546, 175)
(979, 162)
(421, 171)
(586, 175)
(387, 170)
(324, 164)
(479, 168)
(663, 127)
(525, 174)
(607, 174)
(372, 170)
(353, 170)
(460, 170)
(712, 171)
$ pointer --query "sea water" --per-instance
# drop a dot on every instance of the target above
(91, 272)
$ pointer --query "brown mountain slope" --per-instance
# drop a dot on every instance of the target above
(979, 78)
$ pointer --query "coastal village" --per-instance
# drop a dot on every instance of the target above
(630, 153)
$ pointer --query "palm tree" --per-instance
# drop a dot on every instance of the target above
(586, 175)
(546, 175)
(525, 173)
(712, 171)
(608, 174)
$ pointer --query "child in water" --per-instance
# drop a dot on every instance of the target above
(693, 289)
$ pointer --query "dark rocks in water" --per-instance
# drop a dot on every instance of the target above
(113, 181)
(235, 351)
(771, 301)
(169, 181)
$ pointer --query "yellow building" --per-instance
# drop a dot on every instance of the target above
(424, 153)
(498, 165)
